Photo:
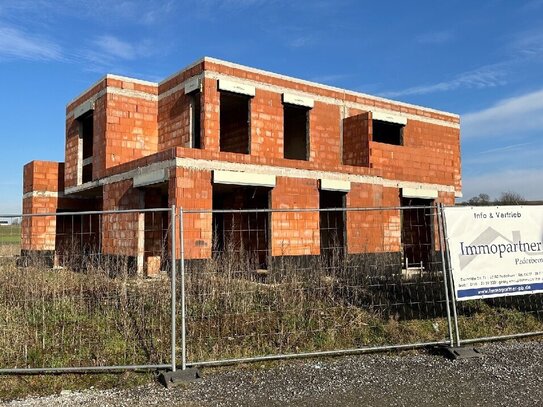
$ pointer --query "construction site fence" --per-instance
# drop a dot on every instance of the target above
(169, 288)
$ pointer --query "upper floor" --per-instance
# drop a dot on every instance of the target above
(219, 111)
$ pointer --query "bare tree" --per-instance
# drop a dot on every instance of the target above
(510, 198)
(479, 200)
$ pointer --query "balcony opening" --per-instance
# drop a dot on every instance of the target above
(234, 122)
(417, 232)
(332, 225)
(387, 132)
(296, 132)
(243, 237)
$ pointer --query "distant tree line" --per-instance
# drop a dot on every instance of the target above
(506, 198)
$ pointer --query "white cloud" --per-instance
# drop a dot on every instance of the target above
(113, 46)
(521, 181)
(507, 117)
(528, 44)
(16, 44)
(484, 77)
(107, 52)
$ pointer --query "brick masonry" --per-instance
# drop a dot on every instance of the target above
(138, 125)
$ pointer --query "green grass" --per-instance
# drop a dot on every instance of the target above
(10, 234)
(63, 318)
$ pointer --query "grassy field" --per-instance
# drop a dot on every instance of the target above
(10, 234)
(63, 318)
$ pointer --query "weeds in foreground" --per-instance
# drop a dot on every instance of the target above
(96, 317)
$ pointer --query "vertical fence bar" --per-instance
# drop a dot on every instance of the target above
(451, 282)
(445, 284)
(182, 282)
(173, 288)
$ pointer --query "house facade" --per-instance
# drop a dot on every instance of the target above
(218, 135)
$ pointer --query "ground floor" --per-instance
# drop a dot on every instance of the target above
(264, 216)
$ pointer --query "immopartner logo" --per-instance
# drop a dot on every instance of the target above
(483, 245)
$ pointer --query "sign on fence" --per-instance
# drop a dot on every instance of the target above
(495, 251)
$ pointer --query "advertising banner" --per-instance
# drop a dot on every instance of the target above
(495, 251)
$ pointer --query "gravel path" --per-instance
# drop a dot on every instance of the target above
(509, 374)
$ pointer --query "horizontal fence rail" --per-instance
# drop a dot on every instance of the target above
(86, 291)
(265, 284)
(93, 291)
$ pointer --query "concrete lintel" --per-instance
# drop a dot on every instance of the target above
(42, 194)
(243, 178)
(237, 87)
(192, 84)
(335, 185)
(298, 100)
(419, 193)
(458, 194)
(83, 108)
(389, 117)
(150, 178)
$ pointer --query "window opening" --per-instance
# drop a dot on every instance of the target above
(332, 225)
(387, 132)
(234, 123)
(195, 111)
(86, 132)
(296, 132)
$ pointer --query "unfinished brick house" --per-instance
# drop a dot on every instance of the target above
(217, 135)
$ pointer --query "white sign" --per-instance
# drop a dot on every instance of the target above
(495, 251)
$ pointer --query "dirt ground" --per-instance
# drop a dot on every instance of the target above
(509, 374)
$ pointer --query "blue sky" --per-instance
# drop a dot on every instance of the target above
(482, 59)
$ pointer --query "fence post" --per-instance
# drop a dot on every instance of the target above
(451, 284)
(182, 282)
(445, 284)
(173, 288)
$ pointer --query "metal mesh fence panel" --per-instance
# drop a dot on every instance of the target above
(260, 283)
(10, 237)
(493, 318)
(76, 293)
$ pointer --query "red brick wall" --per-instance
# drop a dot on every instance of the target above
(373, 231)
(324, 143)
(430, 154)
(174, 120)
(356, 134)
(120, 231)
(295, 233)
(43, 176)
(38, 233)
(267, 124)
(210, 113)
(131, 130)
(125, 128)
(192, 189)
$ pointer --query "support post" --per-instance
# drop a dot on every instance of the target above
(173, 288)
(445, 284)
(182, 282)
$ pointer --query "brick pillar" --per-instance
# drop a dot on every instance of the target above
(210, 115)
(122, 233)
(295, 233)
(373, 231)
(192, 189)
(42, 181)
